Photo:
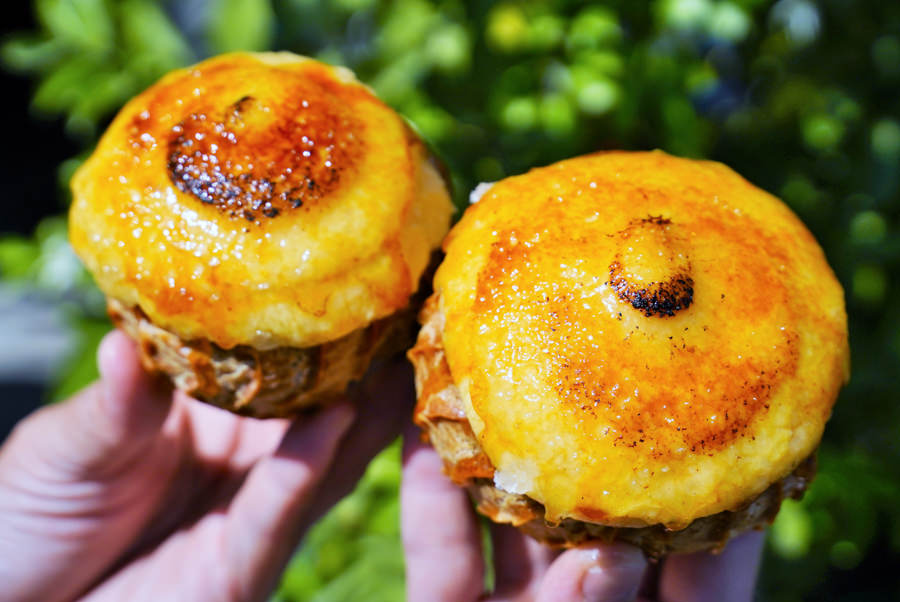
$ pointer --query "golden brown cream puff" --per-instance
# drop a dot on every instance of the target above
(630, 346)
(259, 222)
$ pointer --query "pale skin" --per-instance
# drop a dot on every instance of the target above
(129, 491)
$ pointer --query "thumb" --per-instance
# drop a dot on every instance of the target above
(132, 404)
(607, 573)
(105, 425)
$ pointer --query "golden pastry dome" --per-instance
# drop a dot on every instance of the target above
(259, 199)
(640, 339)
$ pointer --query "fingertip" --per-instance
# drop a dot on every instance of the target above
(111, 420)
(131, 399)
(115, 355)
(422, 464)
(729, 576)
(607, 572)
(440, 535)
(614, 572)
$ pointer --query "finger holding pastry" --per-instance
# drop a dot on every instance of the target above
(445, 560)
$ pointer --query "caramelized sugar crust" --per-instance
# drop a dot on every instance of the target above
(259, 199)
(254, 163)
(640, 339)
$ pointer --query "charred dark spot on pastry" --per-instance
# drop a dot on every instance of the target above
(656, 220)
(651, 271)
(257, 160)
(149, 348)
(238, 108)
(653, 298)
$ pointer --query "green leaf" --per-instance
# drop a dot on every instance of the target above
(729, 22)
(886, 139)
(352, 6)
(594, 27)
(822, 132)
(684, 14)
(354, 552)
(64, 87)
(845, 555)
(557, 115)
(602, 62)
(868, 227)
(545, 32)
(792, 532)
(150, 38)
(18, 256)
(507, 28)
(405, 28)
(85, 24)
(81, 368)
(397, 82)
(240, 25)
(598, 97)
(376, 576)
(31, 53)
(448, 48)
(108, 90)
(870, 284)
(520, 113)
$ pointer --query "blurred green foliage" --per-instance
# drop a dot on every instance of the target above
(801, 97)
(354, 553)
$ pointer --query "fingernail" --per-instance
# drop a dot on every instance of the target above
(614, 575)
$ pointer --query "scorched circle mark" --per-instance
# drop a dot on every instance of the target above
(258, 160)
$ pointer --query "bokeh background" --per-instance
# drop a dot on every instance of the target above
(801, 97)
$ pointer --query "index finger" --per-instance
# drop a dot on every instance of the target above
(441, 540)
(726, 577)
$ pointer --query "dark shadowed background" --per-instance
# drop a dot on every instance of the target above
(801, 97)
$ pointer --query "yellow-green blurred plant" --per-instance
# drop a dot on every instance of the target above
(801, 97)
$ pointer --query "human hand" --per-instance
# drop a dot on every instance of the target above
(444, 561)
(130, 492)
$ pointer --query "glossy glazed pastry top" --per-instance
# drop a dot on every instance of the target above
(259, 199)
(640, 339)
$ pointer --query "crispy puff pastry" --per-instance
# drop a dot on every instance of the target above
(630, 346)
(259, 222)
